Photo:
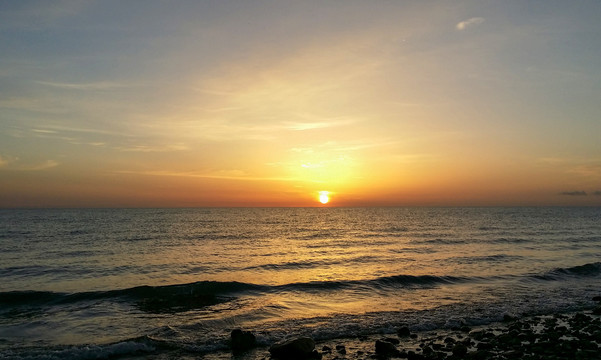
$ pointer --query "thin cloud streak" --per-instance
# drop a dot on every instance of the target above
(14, 165)
(472, 22)
(207, 176)
(102, 85)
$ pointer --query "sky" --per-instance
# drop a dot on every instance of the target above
(272, 103)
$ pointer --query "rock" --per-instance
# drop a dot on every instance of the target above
(508, 318)
(483, 345)
(242, 340)
(459, 350)
(341, 349)
(299, 348)
(392, 340)
(477, 334)
(597, 298)
(597, 310)
(326, 349)
(482, 355)
(404, 331)
(427, 350)
(385, 349)
(449, 340)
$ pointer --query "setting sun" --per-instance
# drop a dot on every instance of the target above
(324, 197)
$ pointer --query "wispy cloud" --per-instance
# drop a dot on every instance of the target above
(153, 148)
(44, 131)
(13, 164)
(317, 122)
(56, 129)
(592, 169)
(48, 164)
(583, 167)
(224, 175)
(307, 126)
(475, 21)
(343, 146)
(101, 85)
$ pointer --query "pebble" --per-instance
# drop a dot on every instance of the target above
(561, 336)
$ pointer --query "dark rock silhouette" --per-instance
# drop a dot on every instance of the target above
(299, 348)
(242, 340)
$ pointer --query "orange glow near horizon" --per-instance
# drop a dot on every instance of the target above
(409, 106)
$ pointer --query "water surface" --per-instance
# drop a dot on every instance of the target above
(90, 283)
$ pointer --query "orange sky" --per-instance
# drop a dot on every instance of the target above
(268, 103)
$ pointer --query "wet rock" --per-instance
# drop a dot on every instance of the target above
(477, 334)
(580, 318)
(403, 331)
(412, 355)
(392, 340)
(484, 346)
(459, 350)
(508, 318)
(242, 340)
(449, 340)
(427, 350)
(505, 338)
(385, 349)
(299, 348)
(481, 355)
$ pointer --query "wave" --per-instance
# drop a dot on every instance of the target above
(386, 282)
(586, 270)
(154, 299)
(183, 297)
(133, 347)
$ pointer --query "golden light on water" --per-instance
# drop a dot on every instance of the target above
(324, 197)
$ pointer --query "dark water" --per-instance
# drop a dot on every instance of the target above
(88, 284)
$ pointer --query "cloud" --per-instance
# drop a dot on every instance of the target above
(574, 193)
(308, 126)
(101, 85)
(223, 174)
(150, 148)
(14, 164)
(475, 21)
(37, 167)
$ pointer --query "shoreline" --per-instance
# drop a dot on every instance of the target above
(573, 335)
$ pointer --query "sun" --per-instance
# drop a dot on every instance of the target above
(324, 197)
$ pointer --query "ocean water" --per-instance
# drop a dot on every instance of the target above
(119, 283)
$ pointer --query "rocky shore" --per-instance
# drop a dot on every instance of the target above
(559, 336)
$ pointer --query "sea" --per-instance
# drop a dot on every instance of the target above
(147, 283)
